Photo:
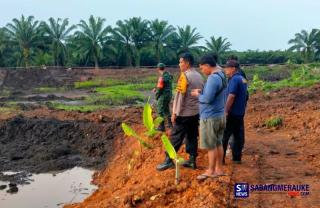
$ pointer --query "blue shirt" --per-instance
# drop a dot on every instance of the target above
(211, 104)
(237, 86)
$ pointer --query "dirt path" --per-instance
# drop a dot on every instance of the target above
(273, 158)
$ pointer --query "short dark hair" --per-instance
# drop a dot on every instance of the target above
(188, 58)
(214, 55)
(161, 66)
(234, 58)
(232, 63)
(208, 59)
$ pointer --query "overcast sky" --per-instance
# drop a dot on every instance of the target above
(248, 24)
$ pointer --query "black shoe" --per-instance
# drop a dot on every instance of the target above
(161, 127)
(236, 161)
(165, 165)
(191, 163)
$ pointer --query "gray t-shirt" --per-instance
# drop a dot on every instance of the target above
(186, 104)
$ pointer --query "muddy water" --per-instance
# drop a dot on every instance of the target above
(50, 190)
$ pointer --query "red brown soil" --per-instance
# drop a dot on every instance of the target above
(286, 154)
(25, 79)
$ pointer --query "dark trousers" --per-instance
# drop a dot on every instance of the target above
(235, 127)
(187, 128)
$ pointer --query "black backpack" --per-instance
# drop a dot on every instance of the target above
(224, 83)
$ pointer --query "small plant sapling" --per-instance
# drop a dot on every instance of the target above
(131, 133)
(173, 155)
(148, 121)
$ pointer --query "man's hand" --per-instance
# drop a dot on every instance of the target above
(195, 92)
(173, 118)
(154, 90)
(229, 103)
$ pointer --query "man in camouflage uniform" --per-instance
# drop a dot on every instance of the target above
(164, 95)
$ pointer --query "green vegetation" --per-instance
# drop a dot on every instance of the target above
(81, 108)
(148, 121)
(50, 89)
(273, 122)
(218, 46)
(117, 95)
(26, 42)
(108, 92)
(131, 133)
(302, 77)
(98, 83)
(9, 109)
(307, 44)
(173, 155)
(271, 72)
(150, 126)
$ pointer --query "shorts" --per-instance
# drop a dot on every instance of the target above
(211, 132)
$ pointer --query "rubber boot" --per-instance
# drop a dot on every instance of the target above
(191, 163)
(168, 163)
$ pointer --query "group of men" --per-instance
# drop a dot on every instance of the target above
(219, 104)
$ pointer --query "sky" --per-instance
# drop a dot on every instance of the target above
(247, 24)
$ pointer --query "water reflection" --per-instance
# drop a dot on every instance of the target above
(50, 190)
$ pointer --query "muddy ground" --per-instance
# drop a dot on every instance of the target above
(288, 154)
(44, 140)
(39, 139)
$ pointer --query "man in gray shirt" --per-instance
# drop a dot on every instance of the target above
(185, 113)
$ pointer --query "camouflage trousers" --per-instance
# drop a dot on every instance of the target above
(163, 106)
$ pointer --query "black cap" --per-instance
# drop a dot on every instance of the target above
(232, 63)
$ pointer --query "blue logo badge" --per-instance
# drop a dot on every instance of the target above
(241, 190)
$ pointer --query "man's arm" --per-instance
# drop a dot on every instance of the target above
(230, 101)
(208, 95)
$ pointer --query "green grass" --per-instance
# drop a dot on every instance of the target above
(302, 77)
(105, 97)
(50, 89)
(9, 108)
(98, 83)
(118, 95)
(271, 72)
(80, 108)
(273, 122)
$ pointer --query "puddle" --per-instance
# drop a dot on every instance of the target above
(50, 190)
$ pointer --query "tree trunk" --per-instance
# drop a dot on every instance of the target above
(96, 62)
(26, 53)
(137, 59)
(158, 53)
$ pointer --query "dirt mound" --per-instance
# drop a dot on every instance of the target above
(26, 79)
(42, 145)
(143, 186)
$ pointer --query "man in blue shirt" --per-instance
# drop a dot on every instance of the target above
(212, 118)
(235, 110)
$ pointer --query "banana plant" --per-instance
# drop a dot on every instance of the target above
(173, 155)
(148, 121)
(128, 131)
